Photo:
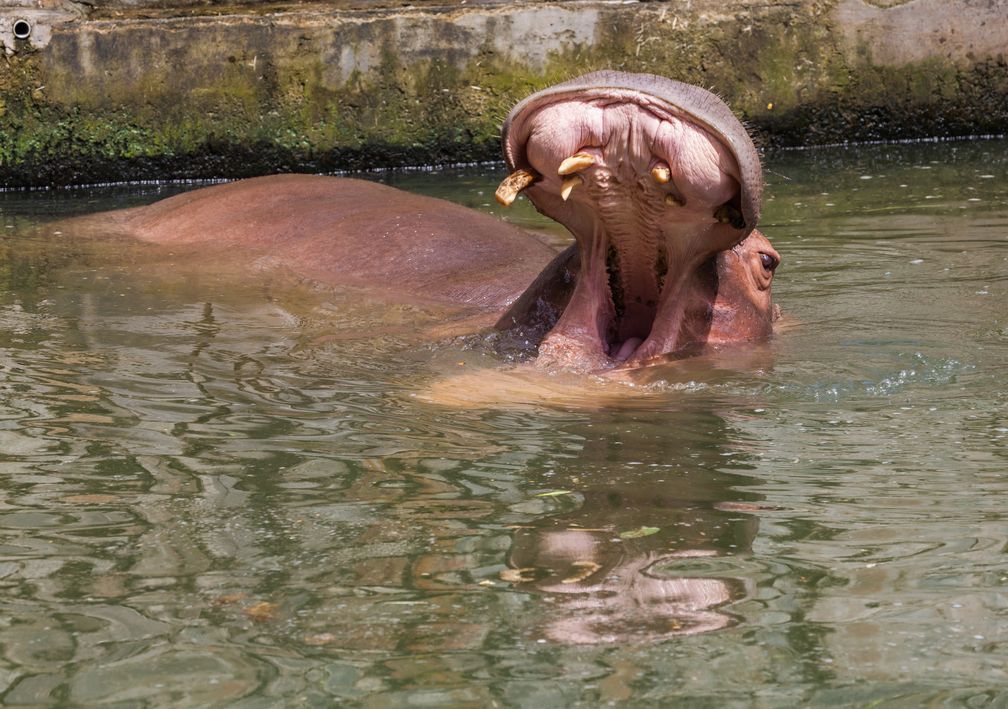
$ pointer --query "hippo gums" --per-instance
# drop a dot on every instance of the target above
(658, 182)
(653, 178)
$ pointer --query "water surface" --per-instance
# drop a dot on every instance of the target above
(221, 492)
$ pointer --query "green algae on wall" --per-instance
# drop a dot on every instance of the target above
(319, 89)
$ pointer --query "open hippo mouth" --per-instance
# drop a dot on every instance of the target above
(652, 177)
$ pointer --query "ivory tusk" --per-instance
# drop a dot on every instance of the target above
(575, 163)
(511, 185)
(569, 184)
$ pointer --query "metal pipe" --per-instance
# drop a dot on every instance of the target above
(22, 29)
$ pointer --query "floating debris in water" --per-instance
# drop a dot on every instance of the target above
(554, 493)
(262, 612)
(228, 599)
(320, 639)
(639, 532)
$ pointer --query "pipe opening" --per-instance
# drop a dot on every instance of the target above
(22, 29)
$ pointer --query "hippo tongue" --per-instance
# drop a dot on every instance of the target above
(626, 349)
(652, 178)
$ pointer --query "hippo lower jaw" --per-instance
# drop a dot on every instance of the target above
(607, 324)
(653, 178)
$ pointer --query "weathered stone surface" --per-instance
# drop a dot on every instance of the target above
(187, 88)
(899, 32)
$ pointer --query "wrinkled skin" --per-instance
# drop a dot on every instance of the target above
(666, 260)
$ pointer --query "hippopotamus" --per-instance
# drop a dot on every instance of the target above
(657, 181)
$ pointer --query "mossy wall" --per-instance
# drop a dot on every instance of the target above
(160, 90)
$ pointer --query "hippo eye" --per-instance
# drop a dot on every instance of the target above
(769, 262)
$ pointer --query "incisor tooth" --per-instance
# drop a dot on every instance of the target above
(511, 185)
(661, 174)
(575, 163)
(569, 184)
(674, 200)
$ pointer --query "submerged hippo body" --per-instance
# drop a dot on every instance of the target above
(657, 181)
(348, 232)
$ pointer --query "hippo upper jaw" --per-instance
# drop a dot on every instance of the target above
(653, 178)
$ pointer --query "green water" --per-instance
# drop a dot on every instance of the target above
(213, 493)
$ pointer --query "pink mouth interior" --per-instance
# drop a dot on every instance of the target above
(641, 240)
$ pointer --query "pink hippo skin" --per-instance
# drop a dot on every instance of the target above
(658, 182)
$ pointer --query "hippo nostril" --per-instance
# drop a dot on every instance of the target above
(22, 29)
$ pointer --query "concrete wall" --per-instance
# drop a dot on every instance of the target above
(133, 89)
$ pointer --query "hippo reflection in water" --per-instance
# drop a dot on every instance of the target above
(609, 589)
(658, 182)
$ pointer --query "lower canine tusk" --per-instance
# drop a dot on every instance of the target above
(661, 174)
(511, 185)
(727, 214)
(575, 163)
(569, 184)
